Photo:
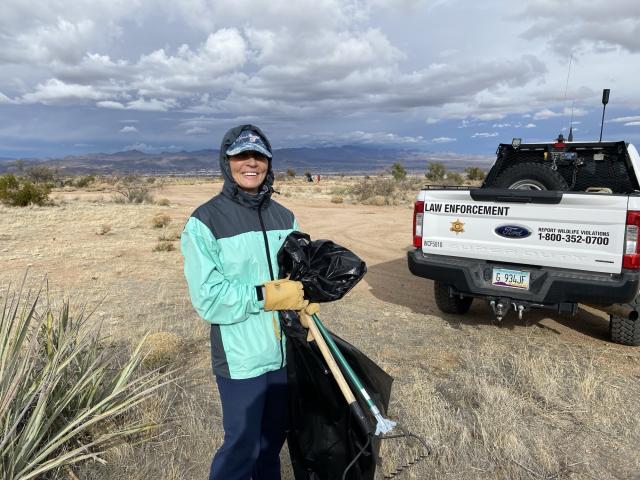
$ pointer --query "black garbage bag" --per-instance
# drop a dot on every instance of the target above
(323, 437)
(327, 270)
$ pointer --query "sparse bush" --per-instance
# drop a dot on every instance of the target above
(151, 180)
(103, 229)
(62, 399)
(163, 202)
(436, 171)
(379, 200)
(474, 174)
(337, 199)
(135, 195)
(164, 247)
(20, 193)
(291, 173)
(453, 178)
(41, 173)
(369, 188)
(160, 220)
(281, 177)
(398, 171)
(84, 182)
(130, 179)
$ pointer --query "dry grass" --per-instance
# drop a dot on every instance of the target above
(161, 349)
(170, 236)
(163, 246)
(103, 229)
(539, 402)
(160, 220)
(521, 414)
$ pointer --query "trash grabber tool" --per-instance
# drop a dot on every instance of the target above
(354, 406)
(383, 425)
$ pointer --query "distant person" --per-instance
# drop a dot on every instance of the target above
(318, 178)
(309, 177)
(230, 245)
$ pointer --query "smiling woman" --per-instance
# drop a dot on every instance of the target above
(249, 169)
(230, 246)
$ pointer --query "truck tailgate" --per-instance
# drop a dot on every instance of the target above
(581, 232)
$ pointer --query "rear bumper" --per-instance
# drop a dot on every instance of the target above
(547, 285)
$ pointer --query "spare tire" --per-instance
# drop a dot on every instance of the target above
(530, 176)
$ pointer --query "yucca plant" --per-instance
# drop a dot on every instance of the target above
(63, 398)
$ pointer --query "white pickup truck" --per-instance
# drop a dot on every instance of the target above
(553, 225)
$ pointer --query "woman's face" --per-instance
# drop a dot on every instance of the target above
(249, 169)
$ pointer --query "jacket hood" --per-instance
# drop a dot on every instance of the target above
(230, 187)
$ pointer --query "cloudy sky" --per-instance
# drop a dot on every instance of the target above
(442, 75)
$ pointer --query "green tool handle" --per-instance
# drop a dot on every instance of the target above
(343, 363)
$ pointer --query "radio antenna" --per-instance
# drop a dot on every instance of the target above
(605, 100)
(570, 139)
(566, 87)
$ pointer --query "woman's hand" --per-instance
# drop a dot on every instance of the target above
(284, 295)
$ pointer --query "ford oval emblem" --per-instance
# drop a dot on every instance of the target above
(513, 231)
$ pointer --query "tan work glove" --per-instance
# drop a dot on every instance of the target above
(305, 317)
(284, 295)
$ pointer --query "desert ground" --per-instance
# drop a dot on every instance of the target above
(544, 398)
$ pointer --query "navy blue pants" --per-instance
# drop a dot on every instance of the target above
(254, 417)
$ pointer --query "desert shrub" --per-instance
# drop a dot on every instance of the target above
(379, 200)
(337, 199)
(41, 174)
(130, 179)
(19, 192)
(436, 171)
(411, 184)
(398, 171)
(135, 195)
(84, 182)
(160, 220)
(103, 229)
(63, 399)
(163, 246)
(140, 195)
(474, 173)
(151, 180)
(369, 188)
(163, 202)
(281, 177)
(453, 178)
(291, 173)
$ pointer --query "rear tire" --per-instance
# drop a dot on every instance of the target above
(530, 176)
(450, 304)
(624, 330)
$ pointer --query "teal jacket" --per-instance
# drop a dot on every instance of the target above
(230, 246)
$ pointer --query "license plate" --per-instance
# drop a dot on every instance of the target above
(503, 277)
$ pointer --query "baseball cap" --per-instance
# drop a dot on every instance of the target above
(248, 140)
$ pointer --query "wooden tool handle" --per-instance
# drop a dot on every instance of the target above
(331, 362)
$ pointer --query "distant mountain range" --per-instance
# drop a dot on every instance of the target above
(325, 160)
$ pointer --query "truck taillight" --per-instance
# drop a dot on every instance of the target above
(418, 215)
(631, 257)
